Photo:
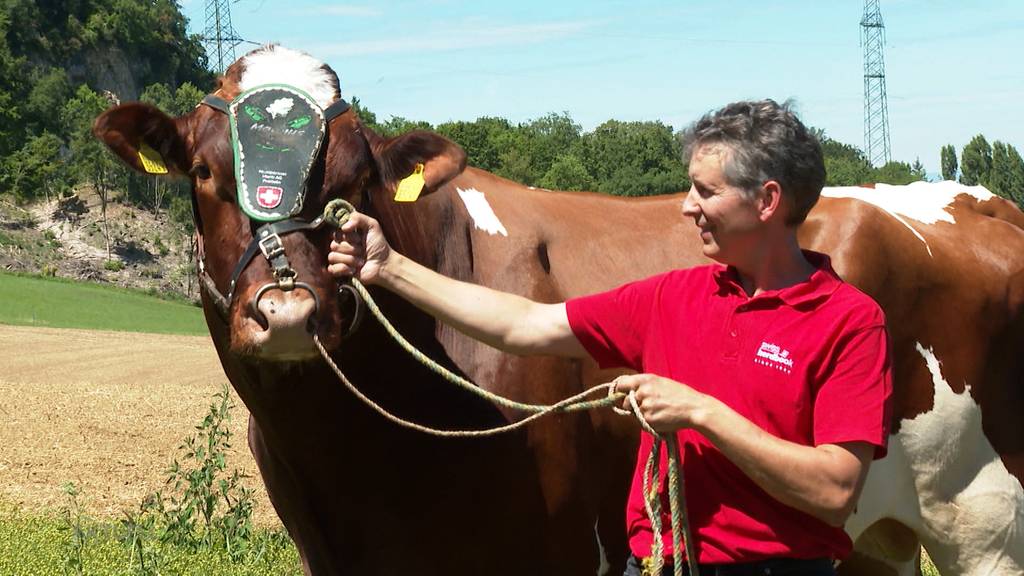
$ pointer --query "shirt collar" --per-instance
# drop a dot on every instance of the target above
(821, 284)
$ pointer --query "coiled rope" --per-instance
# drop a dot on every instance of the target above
(336, 213)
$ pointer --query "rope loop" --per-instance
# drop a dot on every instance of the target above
(337, 212)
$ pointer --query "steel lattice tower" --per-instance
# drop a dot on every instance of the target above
(220, 37)
(876, 107)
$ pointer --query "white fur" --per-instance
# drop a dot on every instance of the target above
(944, 480)
(926, 202)
(481, 212)
(280, 65)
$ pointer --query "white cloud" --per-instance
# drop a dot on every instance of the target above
(457, 39)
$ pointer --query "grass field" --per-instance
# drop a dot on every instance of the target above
(64, 543)
(55, 303)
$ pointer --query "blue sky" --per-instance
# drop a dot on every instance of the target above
(954, 68)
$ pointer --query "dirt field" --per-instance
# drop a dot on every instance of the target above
(107, 411)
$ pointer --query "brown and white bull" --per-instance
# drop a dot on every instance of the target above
(362, 496)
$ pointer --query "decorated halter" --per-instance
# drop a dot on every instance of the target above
(276, 134)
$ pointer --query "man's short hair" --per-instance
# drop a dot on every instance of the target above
(765, 141)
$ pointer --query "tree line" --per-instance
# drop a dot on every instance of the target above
(998, 167)
(48, 104)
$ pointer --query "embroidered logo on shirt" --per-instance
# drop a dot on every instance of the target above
(773, 355)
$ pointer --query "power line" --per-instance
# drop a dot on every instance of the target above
(876, 108)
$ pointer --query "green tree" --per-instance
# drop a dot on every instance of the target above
(1000, 174)
(918, 171)
(845, 165)
(36, 169)
(1015, 183)
(186, 98)
(159, 95)
(634, 158)
(898, 173)
(50, 89)
(13, 88)
(484, 140)
(976, 162)
(949, 165)
(366, 115)
(90, 161)
(567, 172)
(397, 125)
(546, 138)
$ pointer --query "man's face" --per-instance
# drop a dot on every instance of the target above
(728, 218)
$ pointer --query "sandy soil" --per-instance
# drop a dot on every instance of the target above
(107, 411)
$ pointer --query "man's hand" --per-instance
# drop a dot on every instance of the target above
(359, 250)
(665, 404)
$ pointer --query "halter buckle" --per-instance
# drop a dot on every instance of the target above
(271, 246)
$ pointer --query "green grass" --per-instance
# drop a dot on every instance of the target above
(58, 303)
(42, 545)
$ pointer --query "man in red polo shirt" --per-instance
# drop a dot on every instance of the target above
(774, 374)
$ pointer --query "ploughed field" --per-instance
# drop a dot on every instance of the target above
(107, 411)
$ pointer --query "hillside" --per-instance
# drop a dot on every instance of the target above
(64, 238)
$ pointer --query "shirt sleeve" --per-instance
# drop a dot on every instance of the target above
(612, 325)
(854, 403)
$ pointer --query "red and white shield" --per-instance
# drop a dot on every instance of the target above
(269, 196)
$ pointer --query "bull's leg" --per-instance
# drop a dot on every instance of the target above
(292, 507)
(972, 507)
(616, 439)
(981, 530)
(570, 539)
(887, 548)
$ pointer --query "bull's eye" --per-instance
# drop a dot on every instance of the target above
(200, 171)
(300, 122)
(254, 113)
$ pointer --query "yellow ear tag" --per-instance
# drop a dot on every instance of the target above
(410, 187)
(151, 160)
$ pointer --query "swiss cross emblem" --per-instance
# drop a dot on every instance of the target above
(269, 196)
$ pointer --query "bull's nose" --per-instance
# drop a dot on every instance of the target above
(288, 327)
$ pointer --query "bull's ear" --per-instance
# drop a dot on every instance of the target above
(397, 158)
(143, 137)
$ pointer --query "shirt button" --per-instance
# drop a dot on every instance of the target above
(733, 333)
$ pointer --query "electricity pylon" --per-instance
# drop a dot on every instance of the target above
(876, 107)
(219, 36)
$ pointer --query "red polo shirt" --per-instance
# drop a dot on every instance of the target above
(809, 363)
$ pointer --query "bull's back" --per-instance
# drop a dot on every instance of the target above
(579, 242)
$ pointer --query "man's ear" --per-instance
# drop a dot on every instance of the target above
(770, 200)
(143, 137)
(397, 158)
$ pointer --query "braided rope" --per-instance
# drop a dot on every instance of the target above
(336, 213)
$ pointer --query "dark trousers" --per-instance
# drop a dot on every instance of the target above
(773, 567)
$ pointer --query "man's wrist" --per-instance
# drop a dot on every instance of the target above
(390, 271)
(707, 414)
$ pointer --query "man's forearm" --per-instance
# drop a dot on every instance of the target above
(823, 481)
(488, 315)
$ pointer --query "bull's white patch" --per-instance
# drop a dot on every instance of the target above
(481, 212)
(925, 202)
(944, 480)
(280, 65)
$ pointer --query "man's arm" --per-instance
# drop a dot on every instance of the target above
(823, 481)
(505, 321)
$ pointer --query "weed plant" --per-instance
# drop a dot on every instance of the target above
(200, 523)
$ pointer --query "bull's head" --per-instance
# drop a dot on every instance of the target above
(262, 252)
